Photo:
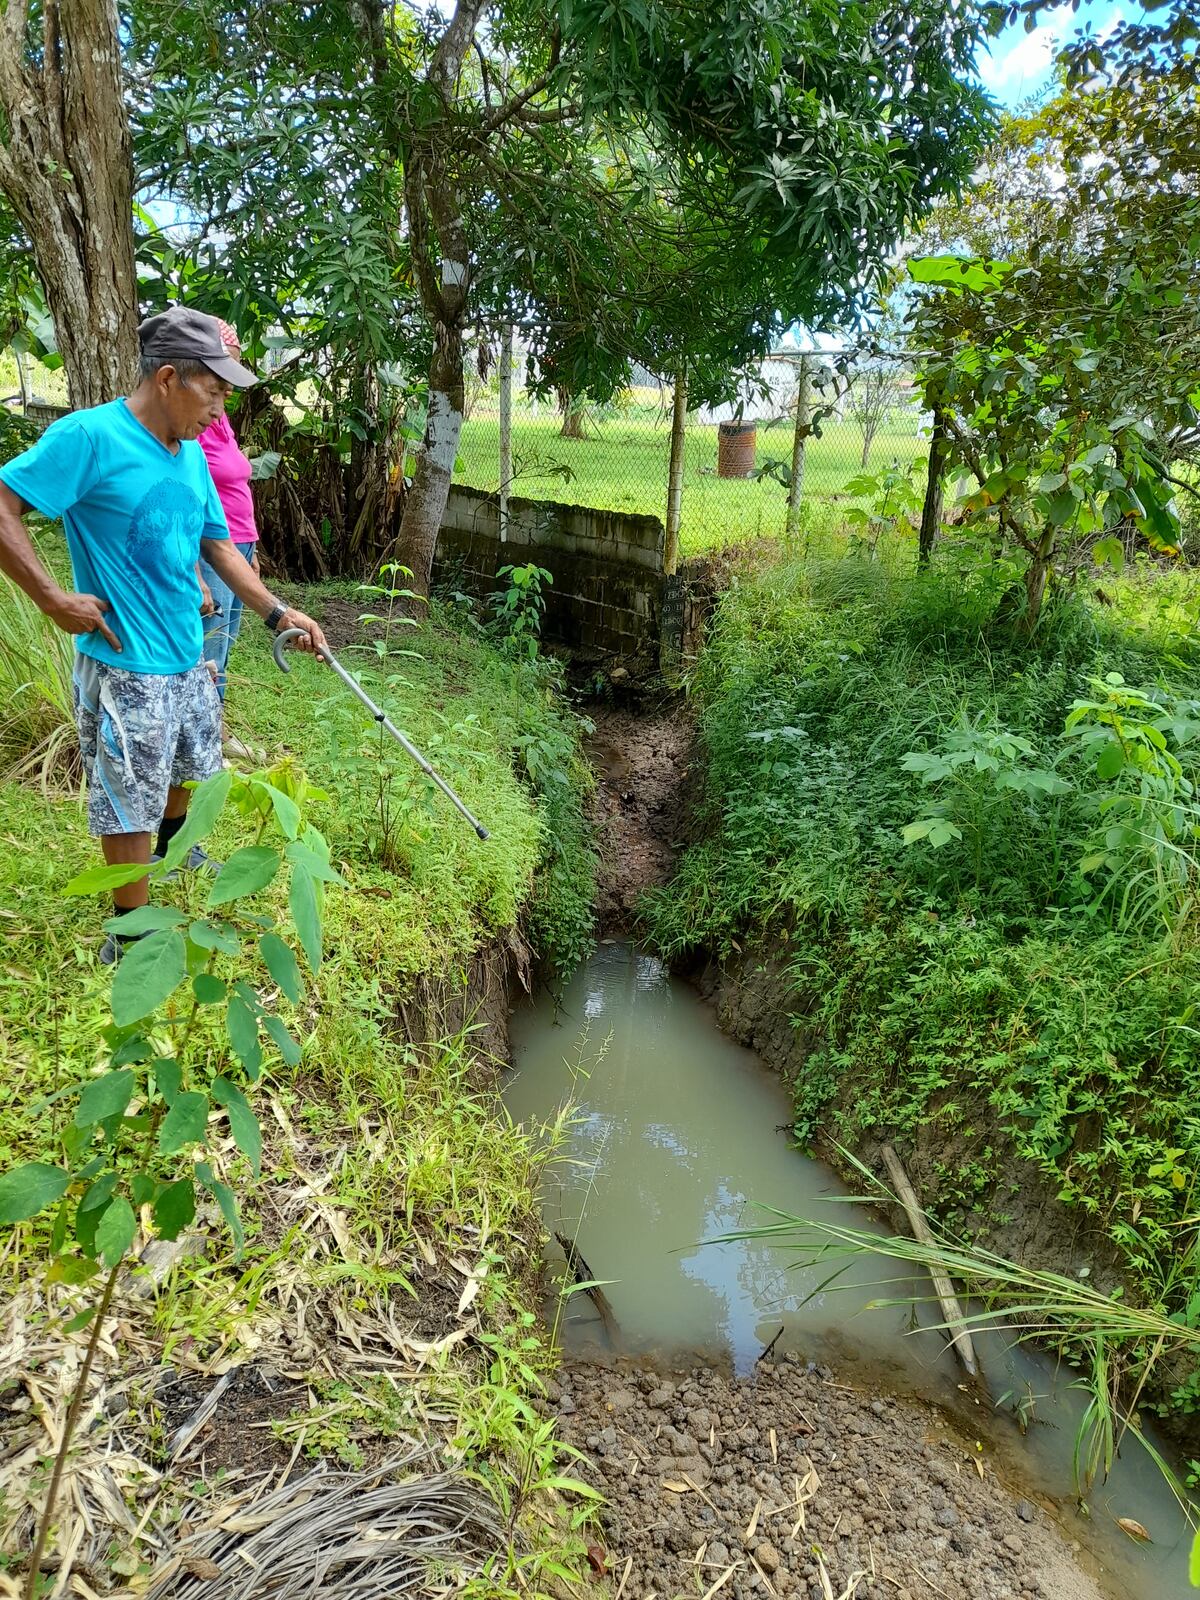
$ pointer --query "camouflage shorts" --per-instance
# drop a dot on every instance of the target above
(140, 733)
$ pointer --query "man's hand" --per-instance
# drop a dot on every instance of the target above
(314, 639)
(81, 613)
(255, 566)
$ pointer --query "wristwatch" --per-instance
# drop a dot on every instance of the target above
(275, 616)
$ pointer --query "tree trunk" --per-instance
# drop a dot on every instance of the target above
(426, 500)
(66, 169)
(868, 435)
(572, 423)
(675, 476)
(931, 511)
(799, 450)
(441, 262)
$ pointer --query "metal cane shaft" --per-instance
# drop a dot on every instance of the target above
(382, 719)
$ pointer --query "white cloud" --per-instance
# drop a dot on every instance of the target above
(1020, 62)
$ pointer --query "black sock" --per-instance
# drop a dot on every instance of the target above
(121, 911)
(167, 829)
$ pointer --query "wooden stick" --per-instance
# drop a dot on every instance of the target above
(943, 1288)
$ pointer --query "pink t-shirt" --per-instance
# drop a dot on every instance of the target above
(231, 473)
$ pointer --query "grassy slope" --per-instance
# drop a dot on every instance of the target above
(957, 991)
(622, 466)
(417, 1156)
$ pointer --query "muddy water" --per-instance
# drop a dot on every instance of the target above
(680, 1136)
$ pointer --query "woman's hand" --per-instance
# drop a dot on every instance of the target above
(208, 605)
(255, 568)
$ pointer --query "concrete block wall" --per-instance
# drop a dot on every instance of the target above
(607, 565)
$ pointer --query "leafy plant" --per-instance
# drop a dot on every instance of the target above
(518, 608)
(184, 1045)
(1146, 821)
(893, 503)
(986, 782)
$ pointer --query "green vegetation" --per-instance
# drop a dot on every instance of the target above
(622, 466)
(975, 850)
(434, 1211)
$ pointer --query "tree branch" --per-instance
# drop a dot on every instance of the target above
(518, 102)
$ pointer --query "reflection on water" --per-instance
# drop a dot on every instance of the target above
(676, 1143)
(681, 1136)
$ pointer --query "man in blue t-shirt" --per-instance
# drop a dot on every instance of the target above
(135, 495)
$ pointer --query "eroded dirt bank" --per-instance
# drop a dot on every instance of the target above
(791, 1483)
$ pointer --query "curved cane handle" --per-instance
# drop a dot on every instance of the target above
(281, 642)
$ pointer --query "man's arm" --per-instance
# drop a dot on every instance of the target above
(251, 591)
(73, 613)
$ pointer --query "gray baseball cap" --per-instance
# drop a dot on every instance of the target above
(181, 334)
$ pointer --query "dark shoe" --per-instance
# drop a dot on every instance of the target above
(111, 950)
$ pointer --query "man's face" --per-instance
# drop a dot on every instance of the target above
(192, 404)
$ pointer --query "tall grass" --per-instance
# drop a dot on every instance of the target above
(1113, 1344)
(37, 727)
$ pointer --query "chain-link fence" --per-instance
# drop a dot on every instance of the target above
(736, 467)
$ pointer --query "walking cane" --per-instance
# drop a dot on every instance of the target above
(381, 717)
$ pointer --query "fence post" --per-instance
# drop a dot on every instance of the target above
(799, 443)
(931, 511)
(506, 349)
(675, 475)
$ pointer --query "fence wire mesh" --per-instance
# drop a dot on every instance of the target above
(615, 457)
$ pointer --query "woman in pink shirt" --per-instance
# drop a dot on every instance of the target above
(231, 473)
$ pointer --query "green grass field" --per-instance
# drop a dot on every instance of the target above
(622, 466)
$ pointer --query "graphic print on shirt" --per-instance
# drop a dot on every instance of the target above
(164, 540)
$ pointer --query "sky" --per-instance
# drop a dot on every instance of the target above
(1019, 63)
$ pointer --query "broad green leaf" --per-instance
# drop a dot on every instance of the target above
(115, 1233)
(134, 1049)
(151, 969)
(168, 1075)
(243, 1035)
(143, 1188)
(300, 855)
(226, 1199)
(184, 1123)
(80, 1320)
(1194, 1563)
(145, 919)
(246, 872)
(958, 272)
(28, 1189)
(305, 904)
(103, 880)
(205, 806)
(58, 1234)
(281, 964)
(209, 991)
(285, 1044)
(242, 1121)
(215, 936)
(105, 1097)
(71, 1269)
(175, 1208)
(98, 1194)
(287, 812)
(1110, 761)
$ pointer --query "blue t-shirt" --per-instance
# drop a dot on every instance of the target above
(135, 514)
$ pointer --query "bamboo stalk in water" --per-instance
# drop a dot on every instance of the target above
(951, 1310)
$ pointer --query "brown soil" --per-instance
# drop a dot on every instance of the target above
(641, 763)
(703, 1474)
